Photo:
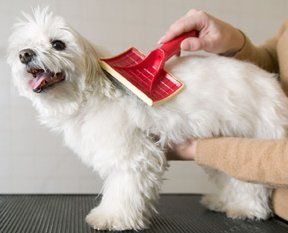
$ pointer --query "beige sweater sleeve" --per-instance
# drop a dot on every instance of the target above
(253, 160)
(264, 56)
(271, 56)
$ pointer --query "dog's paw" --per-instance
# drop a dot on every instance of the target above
(242, 213)
(212, 202)
(101, 219)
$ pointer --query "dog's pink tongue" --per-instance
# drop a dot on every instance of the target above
(35, 83)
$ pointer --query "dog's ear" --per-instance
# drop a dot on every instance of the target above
(95, 77)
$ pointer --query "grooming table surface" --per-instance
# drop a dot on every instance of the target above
(66, 214)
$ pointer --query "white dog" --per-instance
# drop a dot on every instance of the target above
(111, 130)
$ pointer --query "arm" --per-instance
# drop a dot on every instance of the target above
(264, 56)
(258, 160)
(264, 161)
(270, 56)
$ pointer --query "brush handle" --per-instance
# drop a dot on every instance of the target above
(172, 47)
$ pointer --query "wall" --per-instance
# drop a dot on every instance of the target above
(32, 159)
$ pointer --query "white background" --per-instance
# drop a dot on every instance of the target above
(32, 159)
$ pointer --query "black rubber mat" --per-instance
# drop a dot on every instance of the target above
(66, 214)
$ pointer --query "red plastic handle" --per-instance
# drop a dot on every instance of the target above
(172, 47)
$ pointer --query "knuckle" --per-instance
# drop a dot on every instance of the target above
(202, 13)
(192, 11)
(217, 37)
(214, 41)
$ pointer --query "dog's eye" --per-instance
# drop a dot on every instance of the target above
(58, 45)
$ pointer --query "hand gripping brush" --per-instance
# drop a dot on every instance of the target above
(145, 75)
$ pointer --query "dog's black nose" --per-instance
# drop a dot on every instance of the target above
(26, 55)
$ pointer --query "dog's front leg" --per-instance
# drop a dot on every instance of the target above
(130, 190)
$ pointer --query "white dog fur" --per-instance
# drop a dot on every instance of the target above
(112, 131)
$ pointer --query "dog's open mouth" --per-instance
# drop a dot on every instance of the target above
(43, 79)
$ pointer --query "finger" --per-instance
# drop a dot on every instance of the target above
(160, 40)
(177, 29)
(191, 44)
(167, 35)
(185, 24)
(193, 12)
(197, 13)
(185, 151)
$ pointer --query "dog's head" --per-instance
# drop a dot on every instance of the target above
(49, 60)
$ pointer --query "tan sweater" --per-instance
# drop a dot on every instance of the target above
(255, 160)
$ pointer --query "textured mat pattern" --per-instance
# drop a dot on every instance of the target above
(66, 213)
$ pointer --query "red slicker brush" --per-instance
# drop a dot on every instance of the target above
(145, 75)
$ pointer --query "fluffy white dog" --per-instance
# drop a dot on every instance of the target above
(112, 131)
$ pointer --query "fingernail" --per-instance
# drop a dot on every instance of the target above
(183, 46)
(160, 41)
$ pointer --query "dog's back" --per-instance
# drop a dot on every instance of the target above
(225, 97)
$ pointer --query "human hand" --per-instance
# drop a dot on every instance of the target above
(215, 36)
(184, 151)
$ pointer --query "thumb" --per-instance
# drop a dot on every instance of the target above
(191, 44)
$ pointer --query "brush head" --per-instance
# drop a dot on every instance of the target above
(141, 80)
